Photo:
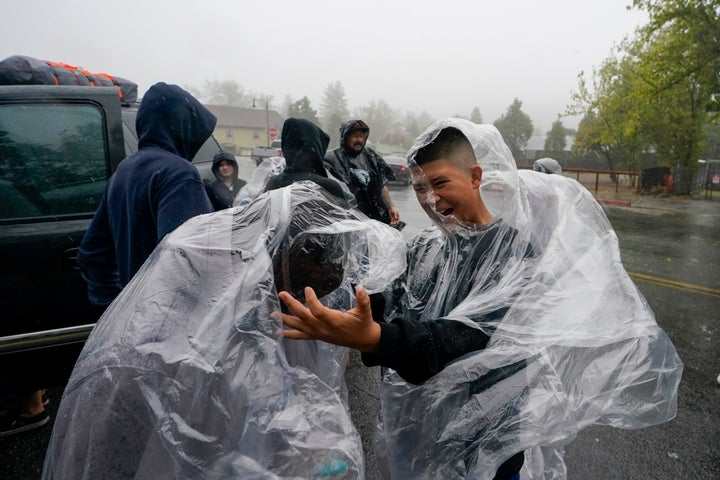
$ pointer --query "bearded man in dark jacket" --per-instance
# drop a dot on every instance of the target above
(364, 172)
(153, 191)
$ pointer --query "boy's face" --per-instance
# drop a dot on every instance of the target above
(225, 169)
(449, 192)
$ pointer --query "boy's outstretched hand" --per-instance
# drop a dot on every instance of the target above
(354, 328)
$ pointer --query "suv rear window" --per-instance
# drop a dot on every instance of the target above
(52, 159)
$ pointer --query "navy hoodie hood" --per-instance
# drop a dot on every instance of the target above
(172, 119)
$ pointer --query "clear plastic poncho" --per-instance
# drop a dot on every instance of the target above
(258, 180)
(185, 376)
(573, 342)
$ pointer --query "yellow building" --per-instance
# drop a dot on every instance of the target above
(239, 129)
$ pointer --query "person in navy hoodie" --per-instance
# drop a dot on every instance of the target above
(153, 191)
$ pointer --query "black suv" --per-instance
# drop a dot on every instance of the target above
(58, 146)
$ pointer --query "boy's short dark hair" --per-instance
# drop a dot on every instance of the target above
(447, 145)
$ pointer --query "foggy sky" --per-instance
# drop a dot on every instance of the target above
(444, 57)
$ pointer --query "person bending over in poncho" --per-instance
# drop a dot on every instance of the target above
(185, 375)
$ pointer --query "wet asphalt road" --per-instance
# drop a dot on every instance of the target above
(674, 258)
(670, 247)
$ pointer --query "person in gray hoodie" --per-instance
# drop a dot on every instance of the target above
(223, 190)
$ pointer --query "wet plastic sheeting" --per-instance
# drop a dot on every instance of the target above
(573, 342)
(184, 375)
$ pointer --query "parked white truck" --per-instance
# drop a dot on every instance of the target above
(261, 153)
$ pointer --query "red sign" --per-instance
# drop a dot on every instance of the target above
(273, 132)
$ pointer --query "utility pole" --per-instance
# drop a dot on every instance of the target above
(267, 119)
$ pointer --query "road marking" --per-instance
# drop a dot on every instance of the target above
(664, 282)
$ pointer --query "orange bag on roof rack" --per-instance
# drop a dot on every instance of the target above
(23, 70)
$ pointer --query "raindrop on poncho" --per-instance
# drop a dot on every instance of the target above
(572, 341)
(184, 376)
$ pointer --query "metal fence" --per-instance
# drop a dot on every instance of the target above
(606, 183)
(702, 180)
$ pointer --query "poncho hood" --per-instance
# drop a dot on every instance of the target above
(500, 188)
(547, 165)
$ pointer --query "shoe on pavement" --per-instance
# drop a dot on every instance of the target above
(13, 423)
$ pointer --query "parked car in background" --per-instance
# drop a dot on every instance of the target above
(400, 169)
(261, 153)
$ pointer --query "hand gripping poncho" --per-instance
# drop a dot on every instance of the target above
(185, 377)
(573, 342)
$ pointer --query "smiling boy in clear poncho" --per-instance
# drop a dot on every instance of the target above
(518, 325)
(185, 375)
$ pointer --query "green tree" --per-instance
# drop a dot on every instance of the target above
(334, 110)
(588, 139)
(614, 106)
(516, 128)
(475, 116)
(555, 141)
(303, 109)
(415, 124)
(690, 31)
(712, 144)
(287, 102)
(658, 90)
(380, 118)
(225, 92)
(680, 60)
(194, 90)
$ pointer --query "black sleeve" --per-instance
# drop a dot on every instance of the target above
(215, 201)
(419, 350)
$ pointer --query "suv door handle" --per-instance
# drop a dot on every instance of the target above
(71, 256)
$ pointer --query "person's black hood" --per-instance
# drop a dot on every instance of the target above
(304, 145)
(351, 126)
(172, 119)
(228, 157)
